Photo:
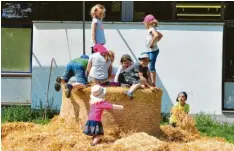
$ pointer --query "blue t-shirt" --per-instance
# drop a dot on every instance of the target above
(100, 36)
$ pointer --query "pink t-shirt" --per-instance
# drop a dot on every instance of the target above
(96, 110)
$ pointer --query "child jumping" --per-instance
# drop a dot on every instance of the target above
(97, 30)
(99, 68)
(98, 104)
(153, 37)
(179, 106)
(144, 76)
(77, 68)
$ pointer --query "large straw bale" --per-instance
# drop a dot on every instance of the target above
(142, 114)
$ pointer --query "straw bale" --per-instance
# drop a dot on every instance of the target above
(142, 114)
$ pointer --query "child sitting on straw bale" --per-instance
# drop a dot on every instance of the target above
(180, 106)
(125, 62)
(144, 80)
(99, 67)
(75, 67)
(98, 103)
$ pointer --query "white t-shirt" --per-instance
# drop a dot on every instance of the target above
(149, 38)
(99, 69)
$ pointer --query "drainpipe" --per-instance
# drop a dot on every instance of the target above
(83, 8)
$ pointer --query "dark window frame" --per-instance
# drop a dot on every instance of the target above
(30, 26)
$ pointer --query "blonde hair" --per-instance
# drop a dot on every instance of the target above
(95, 8)
(153, 23)
(111, 56)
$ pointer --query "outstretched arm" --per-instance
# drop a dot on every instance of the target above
(118, 107)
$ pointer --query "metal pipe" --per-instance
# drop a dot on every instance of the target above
(83, 12)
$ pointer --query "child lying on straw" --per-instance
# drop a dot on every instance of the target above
(180, 106)
(144, 76)
(94, 127)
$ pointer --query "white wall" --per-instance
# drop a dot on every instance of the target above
(190, 58)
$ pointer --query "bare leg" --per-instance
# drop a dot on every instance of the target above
(153, 77)
(134, 87)
(96, 140)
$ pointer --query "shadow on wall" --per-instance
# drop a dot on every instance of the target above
(40, 81)
(166, 100)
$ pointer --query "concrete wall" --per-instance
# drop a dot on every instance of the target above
(190, 58)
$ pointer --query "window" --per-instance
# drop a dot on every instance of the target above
(113, 10)
(16, 49)
(161, 10)
(59, 10)
(21, 12)
(229, 11)
(199, 10)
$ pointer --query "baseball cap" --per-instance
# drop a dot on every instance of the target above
(149, 18)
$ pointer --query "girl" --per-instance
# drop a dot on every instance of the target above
(179, 106)
(144, 76)
(153, 37)
(94, 127)
(97, 13)
(99, 67)
(125, 62)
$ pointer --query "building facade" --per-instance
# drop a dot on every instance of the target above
(196, 52)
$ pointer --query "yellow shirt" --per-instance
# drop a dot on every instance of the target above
(179, 107)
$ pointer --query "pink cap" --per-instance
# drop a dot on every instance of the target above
(100, 48)
(149, 18)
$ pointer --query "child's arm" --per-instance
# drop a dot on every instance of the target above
(118, 107)
(155, 37)
(110, 71)
(143, 79)
(159, 36)
(118, 72)
(89, 66)
(94, 25)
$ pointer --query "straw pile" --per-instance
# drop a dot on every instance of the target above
(142, 114)
(66, 135)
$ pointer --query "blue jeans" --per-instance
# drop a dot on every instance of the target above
(77, 70)
(153, 57)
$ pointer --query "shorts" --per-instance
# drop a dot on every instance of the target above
(77, 70)
(92, 79)
(153, 57)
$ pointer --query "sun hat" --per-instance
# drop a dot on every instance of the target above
(149, 18)
(100, 48)
(145, 55)
(97, 93)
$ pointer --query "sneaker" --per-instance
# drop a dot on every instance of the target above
(129, 95)
(57, 86)
(58, 79)
(68, 90)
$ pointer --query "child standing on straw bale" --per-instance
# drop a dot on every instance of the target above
(153, 37)
(97, 13)
(144, 76)
(99, 68)
(77, 68)
(98, 104)
(180, 106)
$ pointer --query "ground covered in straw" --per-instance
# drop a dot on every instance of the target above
(66, 135)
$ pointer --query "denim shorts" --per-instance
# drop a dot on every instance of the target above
(77, 70)
(153, 57)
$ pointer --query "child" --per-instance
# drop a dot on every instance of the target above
(94, 127)
(144, 75)
(179, 106)
(99, 67)
(153, 37)
(125, 62)
(77, 68)
(97, 13)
